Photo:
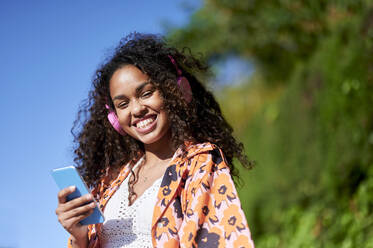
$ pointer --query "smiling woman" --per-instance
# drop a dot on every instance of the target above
(152, 150)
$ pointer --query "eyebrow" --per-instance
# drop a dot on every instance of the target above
(138, 90)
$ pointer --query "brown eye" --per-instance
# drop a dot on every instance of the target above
(147, 93)
(122, 105)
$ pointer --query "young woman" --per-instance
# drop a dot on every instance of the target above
(158, 154)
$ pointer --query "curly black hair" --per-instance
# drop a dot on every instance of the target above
(100, 147)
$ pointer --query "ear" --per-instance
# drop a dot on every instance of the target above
(113, 119)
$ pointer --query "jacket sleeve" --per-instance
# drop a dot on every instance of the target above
(212, 210)
(69, 243)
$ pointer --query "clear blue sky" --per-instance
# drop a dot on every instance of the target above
(48, 53)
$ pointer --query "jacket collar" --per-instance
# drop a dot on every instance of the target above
(174, 175)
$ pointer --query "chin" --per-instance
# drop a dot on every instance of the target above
(153, 137)
(151, 140)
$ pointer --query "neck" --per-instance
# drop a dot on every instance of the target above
(162, 150)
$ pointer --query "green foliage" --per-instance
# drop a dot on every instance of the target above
(306, 116)
(275, 34)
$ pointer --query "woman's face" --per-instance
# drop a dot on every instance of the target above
(139, 105)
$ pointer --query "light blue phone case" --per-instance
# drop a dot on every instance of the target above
(69, 176)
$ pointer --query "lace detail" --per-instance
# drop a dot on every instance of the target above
(129, 226)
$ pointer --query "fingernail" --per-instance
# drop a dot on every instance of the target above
(72, 188)
(89, 197)
(92, 205)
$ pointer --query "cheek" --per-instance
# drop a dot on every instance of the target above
(158, 101)
(162, 111)
(166, 119)
(123, 117)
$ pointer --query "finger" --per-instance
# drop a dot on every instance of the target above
(74, 220)
(75, 203)
(64, 193)
(79, 211)
(64, 216)
(83, 200)
(71, 223)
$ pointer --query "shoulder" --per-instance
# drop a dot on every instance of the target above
(205, 157)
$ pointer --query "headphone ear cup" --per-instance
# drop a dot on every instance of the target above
(184, 86)
(113, 119)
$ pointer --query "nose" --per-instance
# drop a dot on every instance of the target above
(137, 108)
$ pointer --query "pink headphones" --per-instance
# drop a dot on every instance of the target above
(113, 119)
(183, 84)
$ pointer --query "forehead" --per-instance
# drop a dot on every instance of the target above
(126, 80)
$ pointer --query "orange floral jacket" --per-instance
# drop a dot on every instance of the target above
(197, 203)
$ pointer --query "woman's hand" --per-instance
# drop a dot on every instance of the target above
(71, 212)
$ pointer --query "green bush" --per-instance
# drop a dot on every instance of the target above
(312, 186)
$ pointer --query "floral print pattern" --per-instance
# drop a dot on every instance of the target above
(197, 203)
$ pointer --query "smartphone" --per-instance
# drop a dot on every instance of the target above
(70, 176)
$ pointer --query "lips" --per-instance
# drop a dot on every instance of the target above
(146, 124)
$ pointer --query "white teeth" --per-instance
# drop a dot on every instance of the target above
(144, 123)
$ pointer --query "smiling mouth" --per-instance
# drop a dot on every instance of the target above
(146, 125)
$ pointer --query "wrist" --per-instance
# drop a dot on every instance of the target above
(79, 242)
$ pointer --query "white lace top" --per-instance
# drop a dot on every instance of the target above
(129, 226)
